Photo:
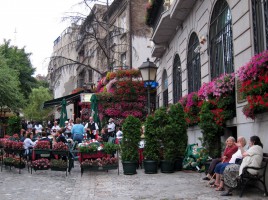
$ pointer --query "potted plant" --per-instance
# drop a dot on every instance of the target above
(89, 148)
(8, 161)
(60, 148)
(8, 146)
(2, 142)
(18, 147)
(169, 150)
(180, 137)
(151, 147)
(110, 148)
(130, 144)
(19, 163)
(41, 164)
(42, 147)
(58, 165)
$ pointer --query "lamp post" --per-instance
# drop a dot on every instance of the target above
(148, 72)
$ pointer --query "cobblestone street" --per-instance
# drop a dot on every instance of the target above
(44, 185)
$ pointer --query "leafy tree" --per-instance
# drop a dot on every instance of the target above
(9, 87)
(14, 125)
(19, 60)
(34, 110)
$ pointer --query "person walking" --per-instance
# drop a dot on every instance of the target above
(78, 131)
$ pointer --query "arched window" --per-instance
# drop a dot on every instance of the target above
(193, 64)
(165, 88)
(177, 89)
(220, 40)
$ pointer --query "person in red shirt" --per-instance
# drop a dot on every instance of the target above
(230, 149)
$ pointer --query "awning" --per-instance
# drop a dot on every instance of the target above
(58, 101)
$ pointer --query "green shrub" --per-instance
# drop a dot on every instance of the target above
(130, 141)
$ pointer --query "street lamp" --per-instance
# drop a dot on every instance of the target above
(148, 72)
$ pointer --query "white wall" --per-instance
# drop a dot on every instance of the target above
(198, 21)
(140, 51)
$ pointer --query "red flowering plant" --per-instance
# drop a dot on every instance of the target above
(60, 146)
(2, 142)
(44, 145)
(8, 144)
(254, 79)
(191, 107)
(218, 106)
(220, 93)
(42, 163)
(17, 146)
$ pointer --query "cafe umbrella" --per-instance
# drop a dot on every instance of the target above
(63, 113)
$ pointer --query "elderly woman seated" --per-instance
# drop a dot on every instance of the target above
(251, 158)
(230, 149)
(241, 142)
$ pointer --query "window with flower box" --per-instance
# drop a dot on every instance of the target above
(193, 64)
(260, 25)
(177, 89)
(220, 40)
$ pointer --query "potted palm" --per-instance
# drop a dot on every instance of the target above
(151, 148)
(130, 144)
(180, 137)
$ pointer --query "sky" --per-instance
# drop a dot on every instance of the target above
(37, 24)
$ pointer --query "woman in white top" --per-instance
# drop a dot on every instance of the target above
(28, 143)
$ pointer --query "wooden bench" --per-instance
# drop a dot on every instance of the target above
(247, 178)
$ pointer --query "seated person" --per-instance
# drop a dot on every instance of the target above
(230, 149)
(219, 169)
(251, 158)
(28, 143)
(59, 137)
(45, 138)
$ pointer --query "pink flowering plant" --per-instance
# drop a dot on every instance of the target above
(17, 146)
(124, 95)
(60, 146)
(44, 145)
(254, 79)
(42, 163)
(100, 162)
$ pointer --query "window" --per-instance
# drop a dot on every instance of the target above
(90, 76)
(177, 89)
(260, 25)
(220, 40)
(123, 59)
(165, 89)
(193, 64)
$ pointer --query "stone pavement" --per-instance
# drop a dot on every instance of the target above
(48, 185)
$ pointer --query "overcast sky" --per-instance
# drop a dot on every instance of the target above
(37, 23)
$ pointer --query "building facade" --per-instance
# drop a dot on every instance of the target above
(110, 38)
(196, 41)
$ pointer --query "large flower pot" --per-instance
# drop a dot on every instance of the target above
(167, 166)
(150, 166)
(129, 167)
(178, 164)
